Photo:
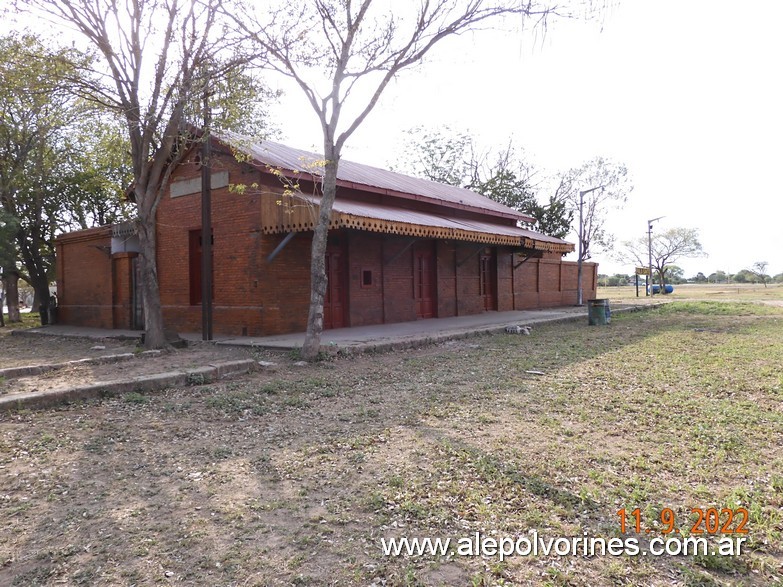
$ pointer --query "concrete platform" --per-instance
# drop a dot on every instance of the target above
(79, 332)
(364, 338)
(410, 334)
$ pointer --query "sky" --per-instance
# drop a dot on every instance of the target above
(687, 94)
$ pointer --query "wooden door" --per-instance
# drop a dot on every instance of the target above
(424, 276)
(334, 300)
(194, 262)
(487, 281)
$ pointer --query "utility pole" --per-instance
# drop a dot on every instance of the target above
(206, 223)
(579, 300)
(649, 253)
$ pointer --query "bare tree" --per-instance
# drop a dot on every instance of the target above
(667, 247)
(156, 58)
(760, 271)
(616, 187)
(342, 55)
(442, 154)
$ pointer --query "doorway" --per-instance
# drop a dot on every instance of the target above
(487, 279)
(424, 279)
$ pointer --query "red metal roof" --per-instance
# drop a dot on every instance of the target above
(351, 174)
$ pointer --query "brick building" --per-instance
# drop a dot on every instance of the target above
(400, 249)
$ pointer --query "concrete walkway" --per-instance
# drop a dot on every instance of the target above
(382, 337)
(366, 338)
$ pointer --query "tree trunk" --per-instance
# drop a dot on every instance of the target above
(38, 272)
(318, 279)
(154, 337)
(41, 304)
(11, 281)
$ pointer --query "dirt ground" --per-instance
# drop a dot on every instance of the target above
(30, 350)
(108, 470)
(19, 351)
(293, 477)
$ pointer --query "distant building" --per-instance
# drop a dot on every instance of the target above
(400, 249)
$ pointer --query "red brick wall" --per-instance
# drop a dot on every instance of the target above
(256, 297)
(84, 278)
(284, 284)
(469, 300)
(365, 302)
(550, 282)
(398, 304)
(239, 254)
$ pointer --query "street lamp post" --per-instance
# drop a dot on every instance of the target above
(649, 253)
(582, 194)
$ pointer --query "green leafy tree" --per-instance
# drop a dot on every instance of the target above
(37, 111)
(615, 280)
(98, 171)
(675, 274)
(554, 218)
(699, 278)
(505, 187)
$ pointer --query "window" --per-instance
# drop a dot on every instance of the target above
(366, 278)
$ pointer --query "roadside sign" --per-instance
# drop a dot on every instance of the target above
(642, 271)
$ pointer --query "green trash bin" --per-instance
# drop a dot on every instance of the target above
(598, 313)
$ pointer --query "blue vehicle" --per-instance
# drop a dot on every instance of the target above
(656, 289)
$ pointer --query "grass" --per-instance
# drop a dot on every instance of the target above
(692, 291)
(29, 320)
(293, 478)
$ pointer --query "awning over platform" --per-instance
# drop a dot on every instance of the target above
(299, 213)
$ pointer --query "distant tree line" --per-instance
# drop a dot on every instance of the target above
(676, 276)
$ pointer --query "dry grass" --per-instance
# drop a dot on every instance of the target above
(293, 478)
(692, 291)
(29, 320)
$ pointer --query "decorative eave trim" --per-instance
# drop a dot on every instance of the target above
(343, 220)
(547, 246)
